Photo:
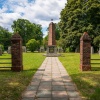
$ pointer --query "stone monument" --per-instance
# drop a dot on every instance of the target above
(60, 50)
(51, 48)
(42, 49)
(85, 52)
(24, 49)
(9, 50)
(16, 52)
(92, 50)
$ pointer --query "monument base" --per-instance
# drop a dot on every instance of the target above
(52, 51)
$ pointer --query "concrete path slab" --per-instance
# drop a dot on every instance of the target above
(51, 82)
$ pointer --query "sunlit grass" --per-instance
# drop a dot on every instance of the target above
(5, 60)
(88, 82)
(13, 83)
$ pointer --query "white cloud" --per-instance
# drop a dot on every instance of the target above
(40, 11)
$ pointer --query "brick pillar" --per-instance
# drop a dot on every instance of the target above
(0, 51)
(51, 37)
(16, 52)
(85, 52)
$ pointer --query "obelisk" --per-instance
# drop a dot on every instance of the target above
(51, 48)
(51, 35)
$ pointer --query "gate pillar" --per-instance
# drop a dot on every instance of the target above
(16, 52)
(85, 52)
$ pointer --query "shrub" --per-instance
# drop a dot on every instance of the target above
(32, 45)
(2, 47)
(68, 50)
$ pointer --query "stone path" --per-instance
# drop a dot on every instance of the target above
(51, 82)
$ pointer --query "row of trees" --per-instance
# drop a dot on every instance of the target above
(31, 34)
(5, 37)
(27, 30)
(77, 17)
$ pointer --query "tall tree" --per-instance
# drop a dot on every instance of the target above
(45, 41)
(27, 30)
(5, 37)
(79, 16)
(57, 31)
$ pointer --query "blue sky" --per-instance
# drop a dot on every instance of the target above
(36, 11)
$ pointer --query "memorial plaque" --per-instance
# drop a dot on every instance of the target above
(51, 49)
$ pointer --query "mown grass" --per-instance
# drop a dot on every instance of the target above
(12, 84)
(88, 82)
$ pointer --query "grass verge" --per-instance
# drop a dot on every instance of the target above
(88, 82)
(13, 83)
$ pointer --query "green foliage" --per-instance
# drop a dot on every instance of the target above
(77, 17)
(62, 43)
(97, 41)
(68, 50)
(87, 82)
(2, 47)
(5, 37)
(57, 32)
(12, 84)
(28, 30)
(32, 45)
(45, 41)
(96, 96)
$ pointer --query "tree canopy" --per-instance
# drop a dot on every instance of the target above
(28, 30)
(77, 17)
(57, 31)
(32, 45)
(5, 37)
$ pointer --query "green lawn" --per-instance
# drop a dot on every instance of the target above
(13, 83)
(88, 82)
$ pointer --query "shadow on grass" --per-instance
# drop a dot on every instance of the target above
(95, 68)
(31, 69)
(4, 70)
(90, 91)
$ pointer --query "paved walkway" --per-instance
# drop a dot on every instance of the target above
(51, 82)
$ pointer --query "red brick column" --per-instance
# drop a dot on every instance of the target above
(85, 52)
(16, 52)
(51, 36)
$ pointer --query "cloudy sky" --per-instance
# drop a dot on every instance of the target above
(36, 11)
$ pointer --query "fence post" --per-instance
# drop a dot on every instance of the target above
(85, 52)
(16, 52)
